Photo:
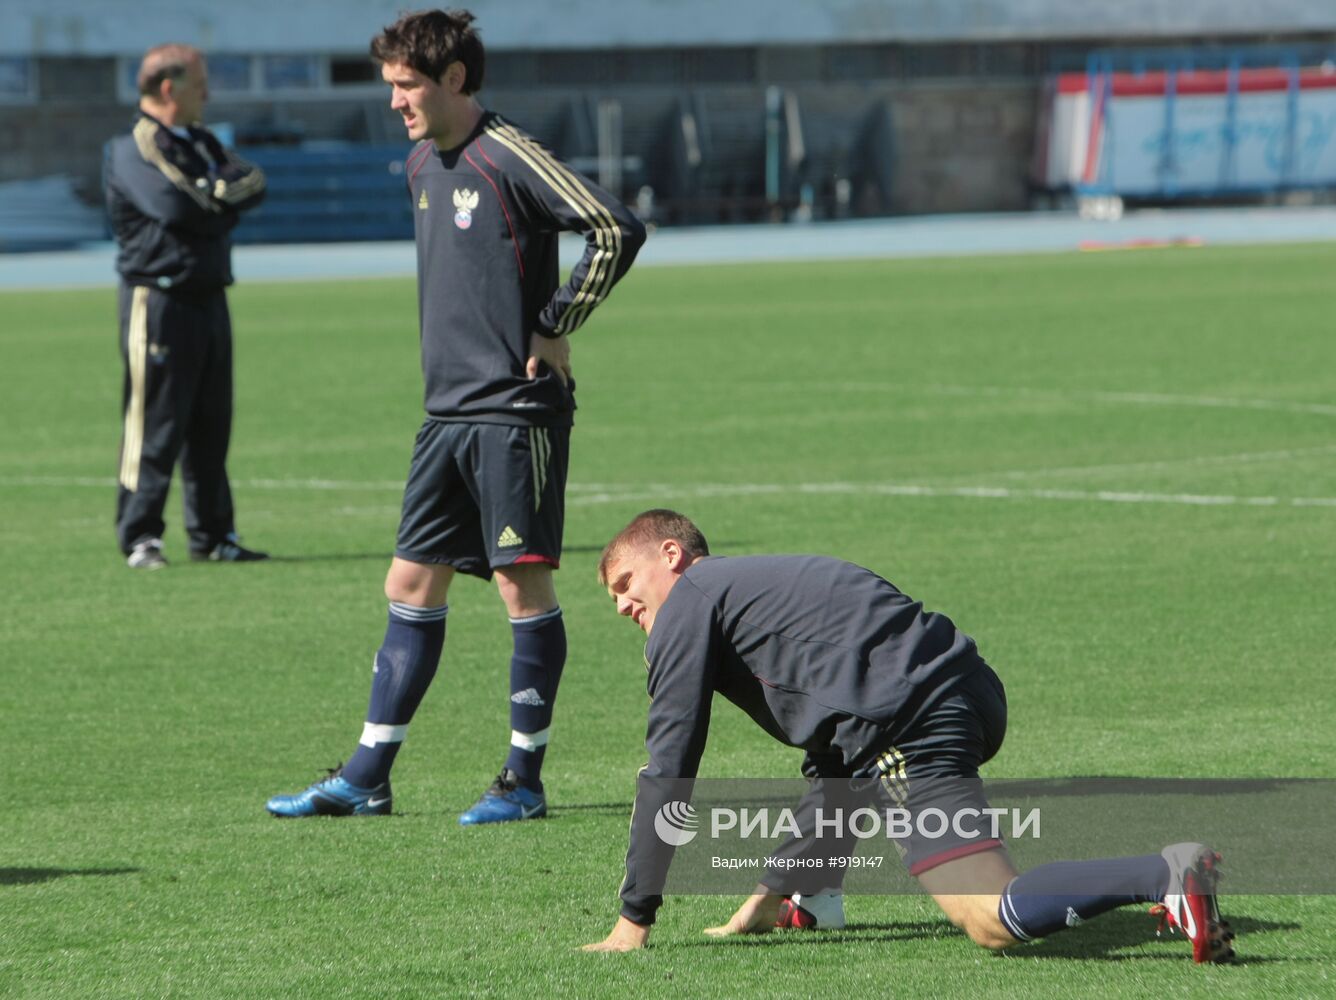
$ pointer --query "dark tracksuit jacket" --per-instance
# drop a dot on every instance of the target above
(172, 200)
(822, 654)
(488, 214)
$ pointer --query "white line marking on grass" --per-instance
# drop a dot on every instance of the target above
(322, 484)
(1163, 399)
(1243, 457)
(1096, 396)
(103, 482)
(592, 494)
(602, 493)
(100, 482)
(1138, 398)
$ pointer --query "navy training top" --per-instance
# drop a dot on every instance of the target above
(821, 653)
(487, 214)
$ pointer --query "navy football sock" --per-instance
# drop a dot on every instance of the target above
(535, 672)
(404, 666)
(1056, 896)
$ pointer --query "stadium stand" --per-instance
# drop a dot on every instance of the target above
(699, 114)
(339, 192)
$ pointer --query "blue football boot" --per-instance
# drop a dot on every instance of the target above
(505, 802)
(333, 796)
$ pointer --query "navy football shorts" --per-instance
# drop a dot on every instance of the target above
(484, 495)
(933, 772)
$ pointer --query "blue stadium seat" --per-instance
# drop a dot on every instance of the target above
(330, 194)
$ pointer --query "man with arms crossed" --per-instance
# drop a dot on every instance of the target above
(173, 196)
(829, 657)
(485, 489)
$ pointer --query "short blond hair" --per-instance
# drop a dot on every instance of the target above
(652, 527)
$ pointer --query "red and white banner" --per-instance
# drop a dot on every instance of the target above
(1169, 133)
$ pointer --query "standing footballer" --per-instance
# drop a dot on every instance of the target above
(485, 490)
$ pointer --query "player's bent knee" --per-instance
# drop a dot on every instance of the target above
(976, 915)
(985, 928)
(417, 584)
(990, 935)
(985, 931)
(399, 586)
(526, 589)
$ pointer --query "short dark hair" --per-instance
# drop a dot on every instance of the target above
(164, 62)
(429, 41)
(651, 528)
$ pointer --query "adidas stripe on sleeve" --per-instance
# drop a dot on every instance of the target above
(566, 201)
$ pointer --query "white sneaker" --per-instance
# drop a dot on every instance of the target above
(147, 555)
(820, 911)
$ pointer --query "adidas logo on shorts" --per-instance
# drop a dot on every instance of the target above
(508, 538)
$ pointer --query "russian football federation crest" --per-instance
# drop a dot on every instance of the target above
(465, 202)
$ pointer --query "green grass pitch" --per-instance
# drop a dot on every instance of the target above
(1027, 443)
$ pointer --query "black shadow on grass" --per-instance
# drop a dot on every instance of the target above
(910, 930)
(333, 557)
(612, 808)
(1097, 942)
(1128, 785)
(596, 808)
(1102, 940)
(29, 876)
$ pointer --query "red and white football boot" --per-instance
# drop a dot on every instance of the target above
(1189, 905)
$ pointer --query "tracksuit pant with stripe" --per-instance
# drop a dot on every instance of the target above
(177, 350)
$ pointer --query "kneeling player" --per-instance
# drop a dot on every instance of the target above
(828, 656)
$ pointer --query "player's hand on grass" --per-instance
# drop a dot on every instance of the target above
(555, 352)
(755, 916)
(625, 936)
